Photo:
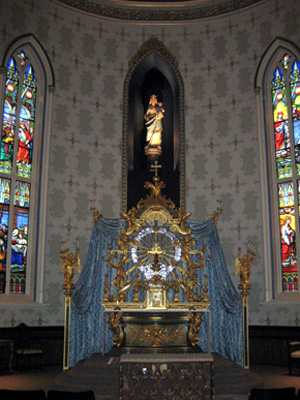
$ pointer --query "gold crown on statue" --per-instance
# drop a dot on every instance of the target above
(153, 97)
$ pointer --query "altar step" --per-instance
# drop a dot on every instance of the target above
(101, 374)
(233, 382)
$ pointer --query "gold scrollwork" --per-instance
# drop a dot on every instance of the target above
(157, 237)
(216, 215)
(155, 336)
(69, 261)
(96, 214)
(243, 267)
(117, 327)
(195, 320)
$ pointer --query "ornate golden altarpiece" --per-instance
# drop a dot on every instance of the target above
(154, 299)
(151, 293)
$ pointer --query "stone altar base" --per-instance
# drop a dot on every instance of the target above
(166, 377)
(100, 373)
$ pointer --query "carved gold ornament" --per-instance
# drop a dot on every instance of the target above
(155, 336)
(69, 262)
(156, 249)
(243, 267)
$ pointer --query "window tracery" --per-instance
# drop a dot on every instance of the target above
(278, 81)
(26, 98)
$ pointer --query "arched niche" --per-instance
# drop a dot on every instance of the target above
(153, 71)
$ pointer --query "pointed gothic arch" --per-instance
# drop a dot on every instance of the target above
(36, 56)
(153, 69)
(271, 181)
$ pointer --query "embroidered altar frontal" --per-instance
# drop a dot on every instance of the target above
(166, 377)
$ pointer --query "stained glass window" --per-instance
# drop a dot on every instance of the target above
(285, 91)
(4, 214)
(26, 124)
(16, 157)
(9, 117)
(281, 127)
(295, 98)
(26, 98)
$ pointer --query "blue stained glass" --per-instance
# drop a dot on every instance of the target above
(295, 97)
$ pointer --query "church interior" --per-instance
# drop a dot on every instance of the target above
(153, 151)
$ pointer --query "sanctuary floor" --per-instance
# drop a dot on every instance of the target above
(101, 374)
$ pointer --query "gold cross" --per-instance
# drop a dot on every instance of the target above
(155, 168)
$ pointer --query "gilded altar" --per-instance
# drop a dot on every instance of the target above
(152, 274)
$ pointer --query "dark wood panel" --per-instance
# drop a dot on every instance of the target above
(49, 338)
(268, 344)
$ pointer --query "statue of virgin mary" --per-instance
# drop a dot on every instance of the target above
(153, 117)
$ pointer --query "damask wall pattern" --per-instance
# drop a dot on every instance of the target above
(218, 59)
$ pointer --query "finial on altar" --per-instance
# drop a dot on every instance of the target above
(243, 267)
(216, 215)
(69, 261)
(96, 214)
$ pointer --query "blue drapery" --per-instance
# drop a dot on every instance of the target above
(90, 334)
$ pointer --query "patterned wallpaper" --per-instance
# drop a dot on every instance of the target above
(218, 59)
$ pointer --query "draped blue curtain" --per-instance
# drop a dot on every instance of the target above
(89, 333)
(226, 309)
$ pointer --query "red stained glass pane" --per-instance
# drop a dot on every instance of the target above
(19, 237)
(281, 127)
(295, 98)
(4, 215)
(287, 235)
(9, 117)
(26, 124)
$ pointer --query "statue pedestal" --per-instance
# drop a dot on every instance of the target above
(165, 330)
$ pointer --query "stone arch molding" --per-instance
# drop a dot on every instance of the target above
(268, 60)
(153, 53)
(37, 54)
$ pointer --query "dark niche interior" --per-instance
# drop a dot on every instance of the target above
(152, 77)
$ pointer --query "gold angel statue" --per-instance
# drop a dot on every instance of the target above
(69, 261)
(243, 267)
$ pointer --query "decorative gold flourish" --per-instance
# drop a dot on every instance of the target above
(69, 261)
(156, 336)
(117, 327)
(195, 320)
(243, 267)
(155, 239)
(96, 214)
(216, 215)
(155, 199)
(155, 259)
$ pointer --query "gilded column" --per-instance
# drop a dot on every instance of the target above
(243, 267)
(69, 261)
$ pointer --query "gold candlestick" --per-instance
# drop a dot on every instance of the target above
(243, 267)
(69, 261)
